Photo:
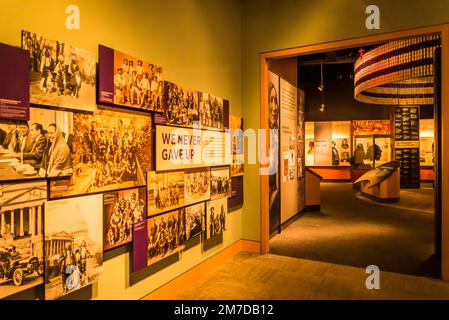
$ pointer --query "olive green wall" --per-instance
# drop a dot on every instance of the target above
(280, 24)
(198, 43)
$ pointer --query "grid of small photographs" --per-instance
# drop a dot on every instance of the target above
(76, 177)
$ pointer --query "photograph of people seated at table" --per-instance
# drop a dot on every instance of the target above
(36, 148)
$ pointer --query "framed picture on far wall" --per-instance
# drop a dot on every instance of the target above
(21, 236)
(166, 235)
(220, 182)
(60, 75)
(216, 211)
(121, 210)
(73, 244)
(195, 220)
(129, 81)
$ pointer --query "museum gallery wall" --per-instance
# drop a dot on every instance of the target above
(134, 163)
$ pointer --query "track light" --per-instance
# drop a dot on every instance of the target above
(321, 88)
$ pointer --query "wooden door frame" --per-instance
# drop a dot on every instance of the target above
(264, 57)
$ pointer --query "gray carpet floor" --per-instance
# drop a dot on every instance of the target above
(353, 231)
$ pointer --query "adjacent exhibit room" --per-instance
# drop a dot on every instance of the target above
(358, 151)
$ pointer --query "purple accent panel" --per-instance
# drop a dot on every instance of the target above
(236, 198)
(106, 78)
(14, 83)
(140, 245)
(160, 118)
(226, 114)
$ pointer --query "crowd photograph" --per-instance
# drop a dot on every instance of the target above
(73, 244)
(165, 191)
(60, 74)
(211, 111)
(41, 147)
(220, 182)
(197, 185)
(216, 211)
(137, 84)
(121, 210)
(111, 150)
(195, 220)
(181, 105)
(166, 235)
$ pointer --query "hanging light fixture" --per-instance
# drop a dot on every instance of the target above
(397, 73)
(321, 88)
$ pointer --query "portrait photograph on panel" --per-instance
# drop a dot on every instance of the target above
(181, 105)
(238, 156)
(195, 220)
(197, 185)
(40, 147)
(21, 236)
(121, 209)
(216, 211)
(111, 150)
(60, 75)
(73, 244)
(128, 81)
(165, 191)
(166, 235)
(220, 182)
(137, 83)
(211, 111)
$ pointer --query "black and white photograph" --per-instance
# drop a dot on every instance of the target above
(166, 235)
(220, 182)
(60, 75)
(181, 105)
(211, 111)
(196, 185)
(195, 220)
(21, 236)
(137, 83)
(121, 209)
(216, 211)
(112, 150)
(165, 191)
(40, 147)
(73, 244)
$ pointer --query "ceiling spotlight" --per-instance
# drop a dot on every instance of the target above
(323, 106)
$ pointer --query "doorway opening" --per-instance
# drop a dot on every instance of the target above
(377, 159)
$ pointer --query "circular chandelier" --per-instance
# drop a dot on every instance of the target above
(397, 73)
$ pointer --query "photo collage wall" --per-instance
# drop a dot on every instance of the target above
(78, 164)
(333, 143)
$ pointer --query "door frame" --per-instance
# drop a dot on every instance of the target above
(264, 58)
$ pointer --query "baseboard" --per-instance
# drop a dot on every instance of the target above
(315, 207)
(382, 200)
(292, 219)
(171, 289)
